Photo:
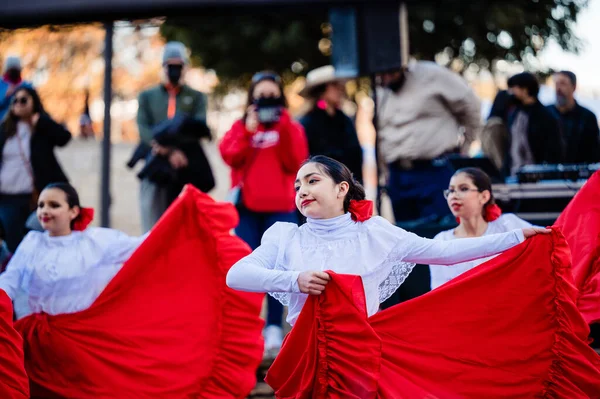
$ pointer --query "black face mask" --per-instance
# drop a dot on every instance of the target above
(396, 84)
(14, 75)
(174, 73)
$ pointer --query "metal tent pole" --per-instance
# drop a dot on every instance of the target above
(106, 144)
(377, 154)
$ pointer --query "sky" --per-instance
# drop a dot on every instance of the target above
(586, 65)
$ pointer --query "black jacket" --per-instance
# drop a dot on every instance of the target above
(335, 137)
(543, 133)
(580, 134)
(46, 135)
(182, 132)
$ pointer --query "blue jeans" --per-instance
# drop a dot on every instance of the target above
(14, 211)
(418, 193)
(251, 229)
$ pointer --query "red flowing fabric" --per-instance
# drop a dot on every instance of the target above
(506, 329)
(13, 380)
(580, 222)
(166, 326)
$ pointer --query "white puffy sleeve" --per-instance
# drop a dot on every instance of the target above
(510, 221)
(413, 248)
(11, 279)
(403, 250)
(117, 246)
(441, 275)
(262, 271)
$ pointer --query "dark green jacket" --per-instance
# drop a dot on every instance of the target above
(153, 104)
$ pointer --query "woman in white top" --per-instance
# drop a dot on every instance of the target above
(291, 261)
(471, 201)
(28, 137)
(66, 267)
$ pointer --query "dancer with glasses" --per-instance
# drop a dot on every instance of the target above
(264, 150)
(28, 136)
(291, 261)
(335, 270)
(471, 201)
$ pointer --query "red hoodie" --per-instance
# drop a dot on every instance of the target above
(267, 161)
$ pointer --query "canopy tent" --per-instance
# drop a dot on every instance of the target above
(27, 13)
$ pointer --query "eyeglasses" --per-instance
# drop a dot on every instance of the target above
(21, 100)
(259, 76)
(458, 193)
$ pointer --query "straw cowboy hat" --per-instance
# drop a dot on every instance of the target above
(320, 76)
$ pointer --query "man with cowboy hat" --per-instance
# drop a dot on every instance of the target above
(328, 130)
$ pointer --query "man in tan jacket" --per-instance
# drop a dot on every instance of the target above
(425, 112)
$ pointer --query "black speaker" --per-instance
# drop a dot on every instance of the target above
(365, 39)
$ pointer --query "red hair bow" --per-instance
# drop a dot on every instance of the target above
(361, 210)
(490, 213)
(86, 215)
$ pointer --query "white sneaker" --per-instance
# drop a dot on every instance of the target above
(273, 336)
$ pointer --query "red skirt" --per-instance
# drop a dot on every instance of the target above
(13, 380)
(580, 222)
(509, 328)
(166, 326)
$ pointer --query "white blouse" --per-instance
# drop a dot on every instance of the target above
(381, 253)
(16, 173)
(441, 275)
(64, 274)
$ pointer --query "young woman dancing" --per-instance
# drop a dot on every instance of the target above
(340, 236)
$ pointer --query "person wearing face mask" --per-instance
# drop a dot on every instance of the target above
(578, 125)
(161, 103)
(425, 113)
(11, 79)
(264, 149)
(28, 137)
(329, 131)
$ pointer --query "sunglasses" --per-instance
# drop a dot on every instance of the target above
(260, 76)
(21, 100)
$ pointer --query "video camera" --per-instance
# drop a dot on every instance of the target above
(268, 109)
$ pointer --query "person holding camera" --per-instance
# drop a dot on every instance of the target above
(158, 105)
(264, 150)
(329, 131)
